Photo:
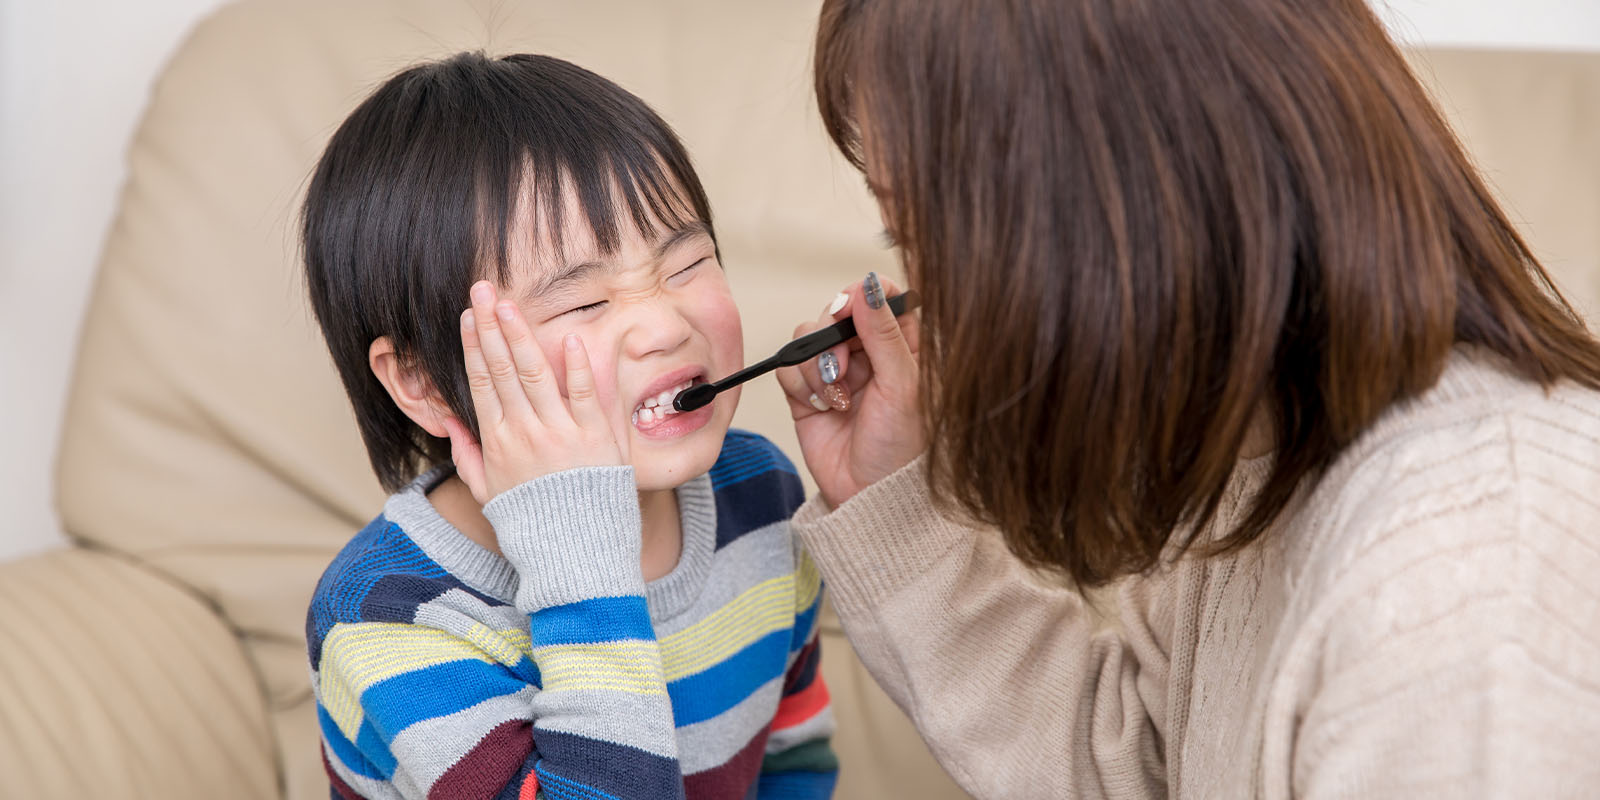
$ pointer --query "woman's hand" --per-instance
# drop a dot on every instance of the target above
(872, 426)
(528, 429)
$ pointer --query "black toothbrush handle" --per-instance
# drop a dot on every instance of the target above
(816, 343)
(796, 352)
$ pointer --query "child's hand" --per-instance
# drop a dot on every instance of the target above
(528, 429)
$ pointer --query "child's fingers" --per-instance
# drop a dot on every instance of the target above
(533, 370)
(497, 354)
(484, 399)
(581, 392)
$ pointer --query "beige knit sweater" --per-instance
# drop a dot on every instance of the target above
(1425, 623)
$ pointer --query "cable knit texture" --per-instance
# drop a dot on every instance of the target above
(1423, 622)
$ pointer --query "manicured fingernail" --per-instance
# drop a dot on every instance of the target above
(481, 292)
(873, 290)
(828, 365)
(468, 321)
(837, 396)
(839, 301)
(506, 311)
(818, 403)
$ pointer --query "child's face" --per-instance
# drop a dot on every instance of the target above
(654, 316)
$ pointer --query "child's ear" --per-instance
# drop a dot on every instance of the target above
(411, 390)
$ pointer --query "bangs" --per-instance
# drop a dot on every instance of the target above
(549, 137)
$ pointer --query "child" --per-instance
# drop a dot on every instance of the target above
(573, 591)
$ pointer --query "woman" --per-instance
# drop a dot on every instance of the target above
(1216, 306)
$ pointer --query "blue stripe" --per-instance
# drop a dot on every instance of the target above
(763, 458)
(704, 695)
(376, 748)
(802, 624)
(399, 702)
(601, 768)
(796, 785)
(742, 472)
(380, 550)
(558, 788)
(345, 750)
(601, 619)
(756, 503)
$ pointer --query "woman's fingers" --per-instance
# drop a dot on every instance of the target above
(534, 374)
(893, 360)
(484, 398)
(803, 400)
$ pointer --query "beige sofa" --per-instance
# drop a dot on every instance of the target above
(209, 466)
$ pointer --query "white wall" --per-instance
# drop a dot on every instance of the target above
(73, 78)
(1526, 24)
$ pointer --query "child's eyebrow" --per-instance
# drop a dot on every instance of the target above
(577, 272)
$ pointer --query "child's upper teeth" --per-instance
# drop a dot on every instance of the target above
(665, 398)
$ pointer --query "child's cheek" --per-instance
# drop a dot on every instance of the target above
(717, 316)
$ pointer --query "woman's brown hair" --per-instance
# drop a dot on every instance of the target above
(1139, 224)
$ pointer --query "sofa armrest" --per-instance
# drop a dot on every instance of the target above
(115, 683)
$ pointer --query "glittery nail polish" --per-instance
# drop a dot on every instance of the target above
(837, 396)
(828, 365)
(873, 290)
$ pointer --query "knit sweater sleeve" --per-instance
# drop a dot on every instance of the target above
(602, 718)
(1011, 681)
(563, 696)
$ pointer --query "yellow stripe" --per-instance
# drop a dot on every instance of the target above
(808, 583)
(627, 666)
(357, 655)
(766, 607)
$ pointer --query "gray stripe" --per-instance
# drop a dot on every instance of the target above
(456, 612)
(757, 556)
(637, 721)
(711, 743)
(431, 747)
(463, 558)
(818, 727)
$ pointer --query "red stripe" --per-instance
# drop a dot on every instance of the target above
(530, 787)
(344, 790)
(802, 705)
(731, 780)
(486, 769)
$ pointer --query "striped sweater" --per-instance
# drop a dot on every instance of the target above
(442, 670)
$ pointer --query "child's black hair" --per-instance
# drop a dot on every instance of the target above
(413, 199)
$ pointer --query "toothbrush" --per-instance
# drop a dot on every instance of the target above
(798, 351)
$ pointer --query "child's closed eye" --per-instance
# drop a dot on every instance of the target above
(683, 275)
(583, 309)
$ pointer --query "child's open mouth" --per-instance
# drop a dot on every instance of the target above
(655, 414)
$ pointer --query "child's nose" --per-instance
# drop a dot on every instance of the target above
(657, 327)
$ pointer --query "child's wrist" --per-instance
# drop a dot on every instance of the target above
(571, 535)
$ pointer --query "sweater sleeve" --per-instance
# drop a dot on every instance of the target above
(602, 722)
(439, 703)
(1007, 677)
